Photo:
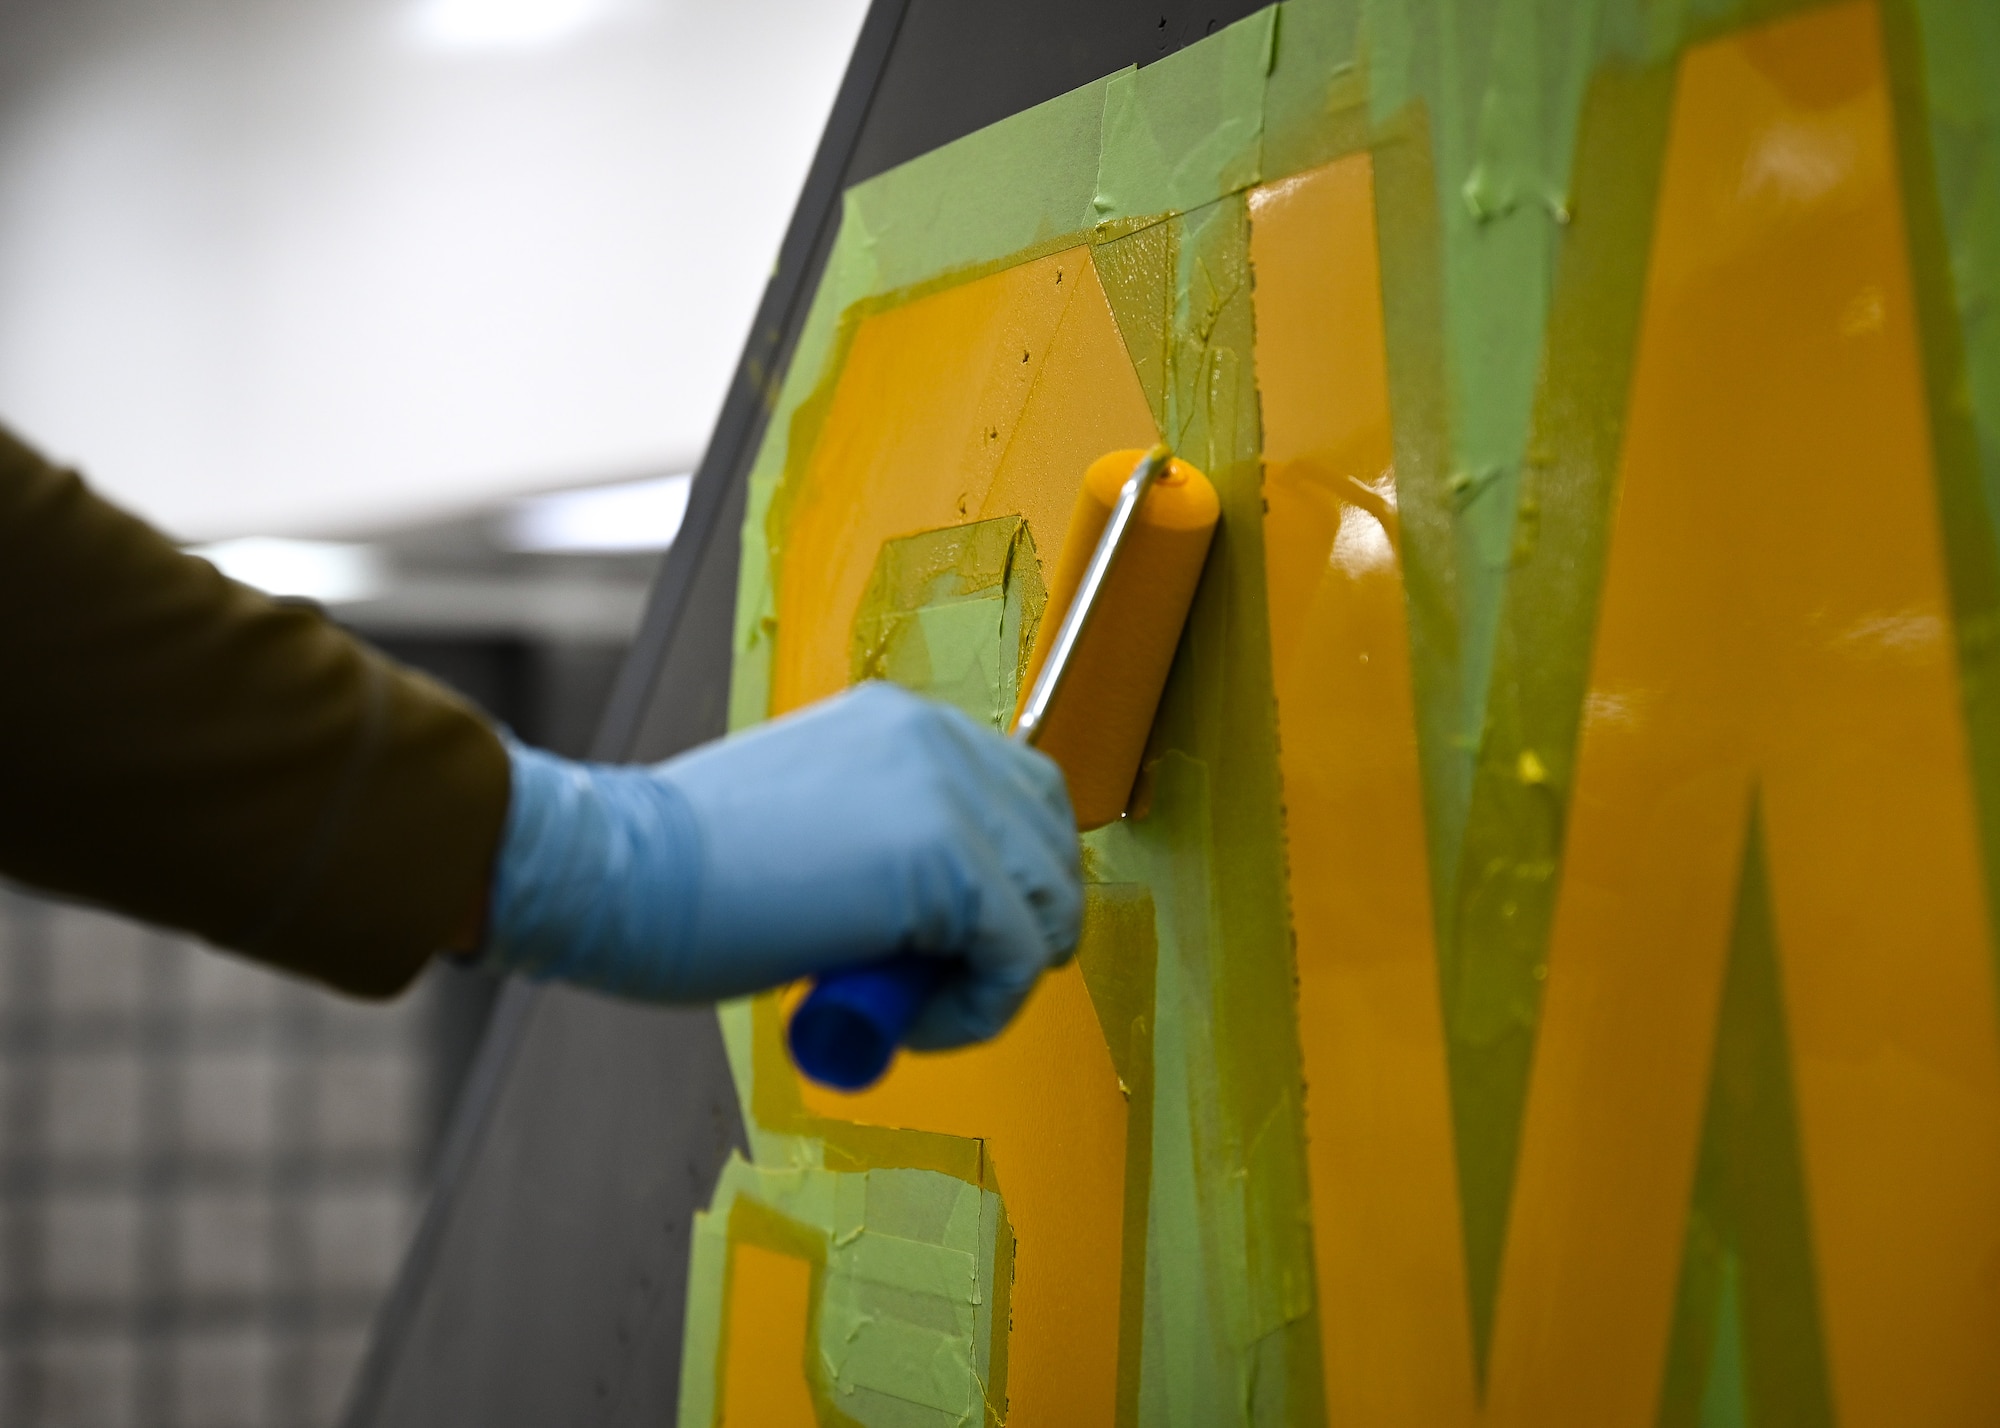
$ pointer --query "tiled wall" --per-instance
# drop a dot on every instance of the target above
(207, 1175)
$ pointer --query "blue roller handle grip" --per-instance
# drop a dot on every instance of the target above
(845, 1033)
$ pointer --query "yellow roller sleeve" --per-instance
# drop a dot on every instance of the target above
(1096, 729)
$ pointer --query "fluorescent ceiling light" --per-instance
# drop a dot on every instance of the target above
(503, 24)
(630, 516)
(331, 572)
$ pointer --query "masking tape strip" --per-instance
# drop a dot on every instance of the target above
(1500, 94)
(1189, 128)
(706, 1316)
(1136, 272)
(953, 612)
(1186, 1364)
(1315, 98)
(903, 1321)
(1005, 189)
(1221, 717)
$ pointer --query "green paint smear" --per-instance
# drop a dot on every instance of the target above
(1747, 1348)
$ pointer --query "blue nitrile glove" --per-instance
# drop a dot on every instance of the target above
(874, 823)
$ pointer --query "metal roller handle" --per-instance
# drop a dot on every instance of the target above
(1076, 619)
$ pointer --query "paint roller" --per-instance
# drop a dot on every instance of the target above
(1137, 541)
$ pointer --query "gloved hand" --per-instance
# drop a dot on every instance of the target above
(870, 824)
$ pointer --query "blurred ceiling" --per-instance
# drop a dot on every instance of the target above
(324, 265)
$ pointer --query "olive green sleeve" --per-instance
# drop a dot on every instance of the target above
(183, 749)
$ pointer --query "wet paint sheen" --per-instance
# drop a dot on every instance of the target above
(1043, 1100)
(986, 399)
(1774, 623)
(1387, 1249)
(1774, 634)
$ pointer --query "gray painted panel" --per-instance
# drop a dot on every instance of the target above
(558, 1280)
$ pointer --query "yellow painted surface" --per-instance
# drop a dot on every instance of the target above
(986, 399)
(936, 420)
(1775, 617)
(764, 1354)
(1097, 727)
(1774, 623)
(1044, 1099)
(1392, 1317)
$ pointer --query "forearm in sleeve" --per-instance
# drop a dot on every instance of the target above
(183, 749)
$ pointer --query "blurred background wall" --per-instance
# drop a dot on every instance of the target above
(420, 309)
